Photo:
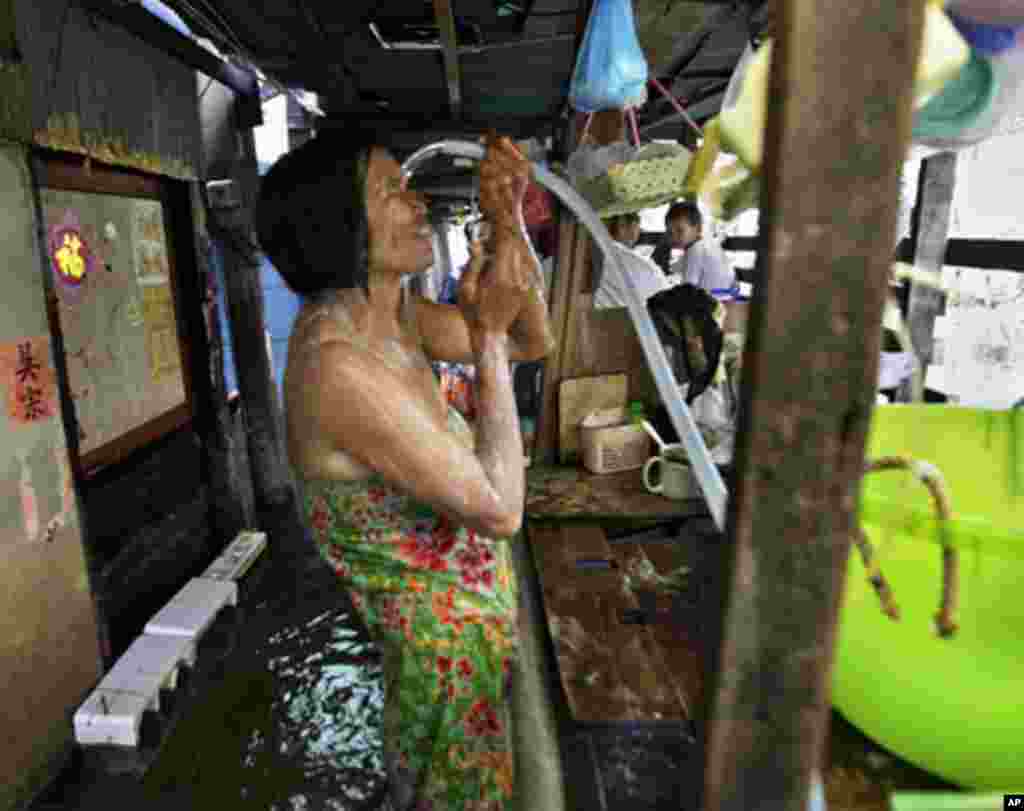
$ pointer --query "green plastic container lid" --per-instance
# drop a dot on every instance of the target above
(960, 103)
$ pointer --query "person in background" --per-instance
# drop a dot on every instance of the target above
(611, 288)
(703, 263)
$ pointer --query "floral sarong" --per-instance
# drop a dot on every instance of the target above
(440, 601)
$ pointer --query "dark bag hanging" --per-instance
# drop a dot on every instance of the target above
(684, 317)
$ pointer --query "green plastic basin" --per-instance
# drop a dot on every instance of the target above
(954, 707)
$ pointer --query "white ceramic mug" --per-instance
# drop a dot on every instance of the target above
(677, 479)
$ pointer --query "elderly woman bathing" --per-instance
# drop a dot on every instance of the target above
(408, 503)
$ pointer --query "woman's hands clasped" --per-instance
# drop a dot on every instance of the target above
(492, 294)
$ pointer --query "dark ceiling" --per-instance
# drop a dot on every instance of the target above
(425, 69)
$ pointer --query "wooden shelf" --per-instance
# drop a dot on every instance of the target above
(561, 492)
(612, 670)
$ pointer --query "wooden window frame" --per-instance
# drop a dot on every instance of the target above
(73, 173)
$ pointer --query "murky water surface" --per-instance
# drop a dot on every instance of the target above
(294, 722)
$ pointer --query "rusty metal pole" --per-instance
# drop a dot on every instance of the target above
(838, 128)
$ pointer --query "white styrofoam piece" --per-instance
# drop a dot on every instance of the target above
(149, 664)
(240, 554)
(193, 609)
(110, 717)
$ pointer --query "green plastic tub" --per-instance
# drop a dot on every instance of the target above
(954, 707)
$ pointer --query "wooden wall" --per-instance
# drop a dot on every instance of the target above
(131, 535)
(94, 88)
(49, 647)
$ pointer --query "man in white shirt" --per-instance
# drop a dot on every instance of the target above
(703, 263)
(611, 290)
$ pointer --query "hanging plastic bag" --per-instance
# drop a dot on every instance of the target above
(611, 70)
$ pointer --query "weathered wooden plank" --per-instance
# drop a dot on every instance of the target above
(676, 628)
(606, 342)
(95, 89)
(271, 476)
(986, 254)
(273, 484)
(574, 492)
(15, 116)
(546, 443)
(211, 421)
(445, 19)
(931, 230)
(572, 277)
(611, 670)
(837, 132)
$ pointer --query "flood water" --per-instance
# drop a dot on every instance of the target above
(290, 723)
(294, 722)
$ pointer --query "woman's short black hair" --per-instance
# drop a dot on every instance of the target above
(311, 215)
(687, 209)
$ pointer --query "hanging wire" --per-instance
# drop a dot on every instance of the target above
(226, 31)
(226, 34)
(678, 107)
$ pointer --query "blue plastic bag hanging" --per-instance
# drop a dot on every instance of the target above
(611, 70)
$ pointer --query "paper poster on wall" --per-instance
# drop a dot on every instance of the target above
(161, 335)
(148, 238)
(119, 323)
(29, 379)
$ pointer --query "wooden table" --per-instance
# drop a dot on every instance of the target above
(564, 492)
(626, 652)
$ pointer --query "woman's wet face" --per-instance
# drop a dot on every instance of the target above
(400, 235)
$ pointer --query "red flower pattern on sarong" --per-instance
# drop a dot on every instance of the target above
(481, 720)
(426, 551)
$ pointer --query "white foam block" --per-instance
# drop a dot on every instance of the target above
(150, 663)
(194, 608)
(110, 717)
(239, 556)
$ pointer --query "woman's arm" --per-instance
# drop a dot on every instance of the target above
(444, 328)
(446, 334)
(531, 331)
(369, 412)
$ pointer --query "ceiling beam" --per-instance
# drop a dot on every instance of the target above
(689, 46)
(138, 21)
(450, 48)
(406, 132)
(517, 43)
